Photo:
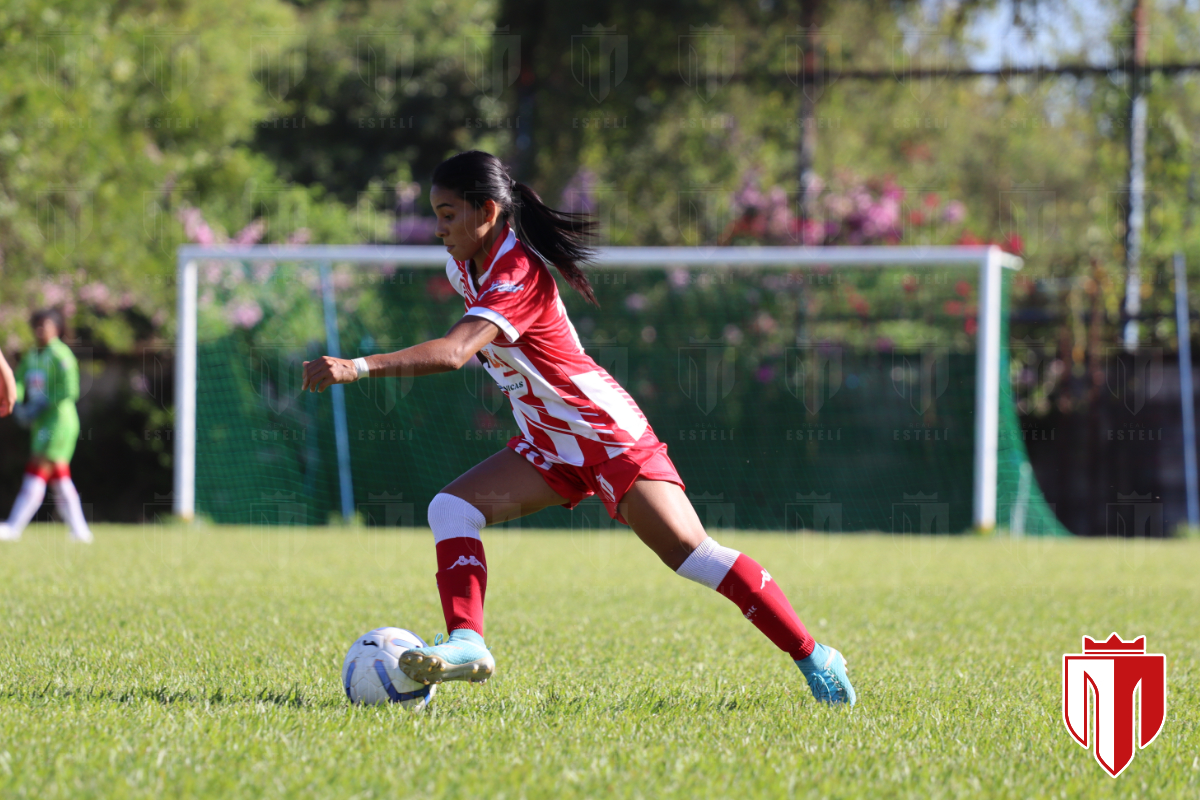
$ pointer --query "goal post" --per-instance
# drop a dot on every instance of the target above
(985, 266)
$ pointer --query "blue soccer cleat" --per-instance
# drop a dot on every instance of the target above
(463, 657)
(825, 671)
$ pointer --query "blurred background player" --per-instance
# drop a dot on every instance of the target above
(47, 386)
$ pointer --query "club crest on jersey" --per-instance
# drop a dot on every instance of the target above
(492, 361)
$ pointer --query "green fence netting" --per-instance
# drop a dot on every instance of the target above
(815, 399)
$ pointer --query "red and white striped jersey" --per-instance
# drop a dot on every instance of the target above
(566, 405)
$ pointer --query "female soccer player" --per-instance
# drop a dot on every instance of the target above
(581, 433)
(48, 384)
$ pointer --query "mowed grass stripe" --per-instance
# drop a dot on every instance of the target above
(168, 663)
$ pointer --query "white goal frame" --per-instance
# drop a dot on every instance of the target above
(988, 261)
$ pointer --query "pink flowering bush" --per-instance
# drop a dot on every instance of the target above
(846, 211)
(232, 293)
(195, 228)
(579, 195)
(411, 227)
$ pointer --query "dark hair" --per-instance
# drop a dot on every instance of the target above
(560, 238)
(52, 314)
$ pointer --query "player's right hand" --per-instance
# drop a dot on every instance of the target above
(327, 371)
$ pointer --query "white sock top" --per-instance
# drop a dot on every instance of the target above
(452, 517)
(708, 564)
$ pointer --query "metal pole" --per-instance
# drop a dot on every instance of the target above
(184, 502)
(1186, 392)
(341, 433)
(806, 153)
(630, 257)
(1136, 212)
(987, 391)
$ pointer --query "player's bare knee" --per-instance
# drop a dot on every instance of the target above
(675, 557)
(671, 550)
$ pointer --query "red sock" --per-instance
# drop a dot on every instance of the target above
(752, 589)
(462, 582)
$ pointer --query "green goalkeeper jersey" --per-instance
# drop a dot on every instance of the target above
(51, 375)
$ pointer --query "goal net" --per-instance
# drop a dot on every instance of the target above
(825, 389)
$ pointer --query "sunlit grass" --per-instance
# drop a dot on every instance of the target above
(163, 663)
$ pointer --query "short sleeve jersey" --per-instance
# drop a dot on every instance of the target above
(565, 404)
(50, 372)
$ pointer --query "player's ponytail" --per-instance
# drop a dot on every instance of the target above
(560, 238)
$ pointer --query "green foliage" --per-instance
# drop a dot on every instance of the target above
(793, 375)
(378, 94)
(110, 116)
(1039, 162)
(113, 120)
(182, 662)
(313, 121)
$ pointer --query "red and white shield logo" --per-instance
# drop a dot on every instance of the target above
(1111, 672)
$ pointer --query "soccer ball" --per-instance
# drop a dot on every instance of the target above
(371, 673)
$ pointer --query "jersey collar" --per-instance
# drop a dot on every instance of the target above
(504, 242)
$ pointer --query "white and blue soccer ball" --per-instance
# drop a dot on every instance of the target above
(371, 673)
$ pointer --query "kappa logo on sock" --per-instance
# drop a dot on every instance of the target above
(766, 576)
(467, 561)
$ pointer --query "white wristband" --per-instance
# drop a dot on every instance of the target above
(364, 371)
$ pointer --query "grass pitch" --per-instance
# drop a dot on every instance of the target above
(163, 663)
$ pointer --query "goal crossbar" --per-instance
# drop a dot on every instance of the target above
(989, 261)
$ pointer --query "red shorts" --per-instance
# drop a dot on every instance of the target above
(610, 479)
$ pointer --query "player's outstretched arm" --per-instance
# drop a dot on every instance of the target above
(450, 352)
(8, 388)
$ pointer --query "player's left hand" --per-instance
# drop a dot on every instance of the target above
(24, 414)
(27, 413)
(327, 371)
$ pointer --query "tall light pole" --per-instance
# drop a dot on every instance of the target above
(810, 87)
(1135, 214)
